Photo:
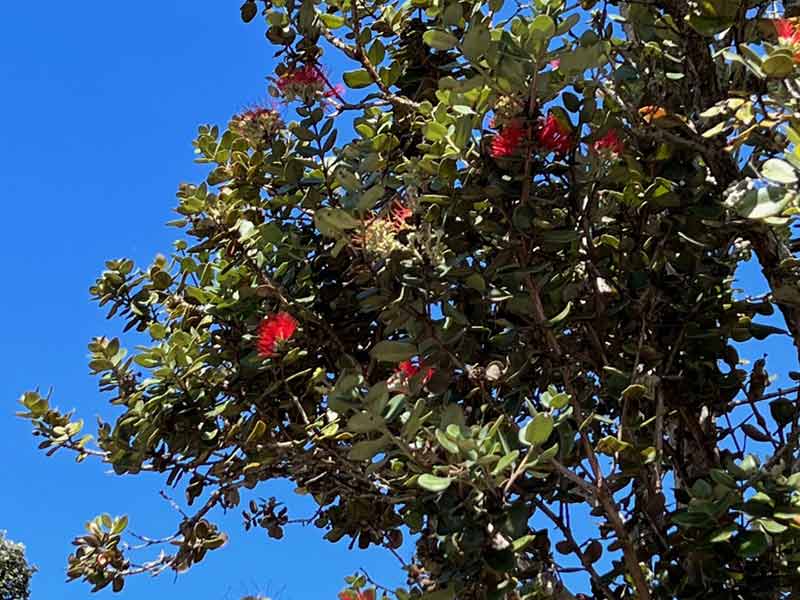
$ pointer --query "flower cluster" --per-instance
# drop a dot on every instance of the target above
(399, 214)
(789, 35)
(409, 369)
(507, 111)
(379, 236)
(305, 83)
(553, 136)
(507, 140)
(788, 32)
(273, 330)
(256, 125)
(610, 144)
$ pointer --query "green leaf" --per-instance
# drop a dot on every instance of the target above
(560, 400)
(571, 101)
(367, 449)
(611, 445)
(359, 78)
(690, 519)
(753, 543)
(505, 461)
(783, 411)
(476, 41)
(521, 543)
(476, 282)
(257, 433)
(393, 352)
(634, 391)
(328, 219)
(376, 52)
(723, 534)
(779, 171)
(332, 21)
(543, 28)
(434, 131)
(364, 422)
(377, 397)
(701, 489)
(771, 527)
(778, 66)
(440, 40)
(445, 442)
(432, 483)
(119, 525)
(537, 430)
(762, 203)
(755, 433)
(562, 315)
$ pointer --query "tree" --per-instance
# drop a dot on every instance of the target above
(15, 573)
(484, 294)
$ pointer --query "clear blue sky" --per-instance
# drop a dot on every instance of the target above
(101, 101)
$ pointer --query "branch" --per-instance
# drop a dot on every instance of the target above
(587, 564)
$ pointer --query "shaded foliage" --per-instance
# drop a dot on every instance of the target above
(15, 573)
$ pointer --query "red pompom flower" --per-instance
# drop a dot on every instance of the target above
(788, 32)
(610, 143)
(273, 330)
(507, 140)
(789, 35)
(553, 136)
(409, 369)
(400, 213)
(306, 82)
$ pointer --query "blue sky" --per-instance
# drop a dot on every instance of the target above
(101, 102)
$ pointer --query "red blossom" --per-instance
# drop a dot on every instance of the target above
(788, 32)
(409, 369)
(273, 330)
(307, 75)
(507, 140)
(553, 136)
(258, 112)
(357, 595)
(400, 214)
(555, 63)
(610, 143)
(308, 79)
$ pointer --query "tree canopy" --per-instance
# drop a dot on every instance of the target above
(478, 293)
(15, 573)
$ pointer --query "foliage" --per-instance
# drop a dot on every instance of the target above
(15, 573)
(507, 298)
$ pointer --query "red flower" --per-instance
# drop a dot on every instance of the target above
(555, 63)
(399, 215)
(409, 369)
(788, 32)
(305, 81)
(553, 136)
(507, 140)
(610, 143)
(307, 75)
(274, 329)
